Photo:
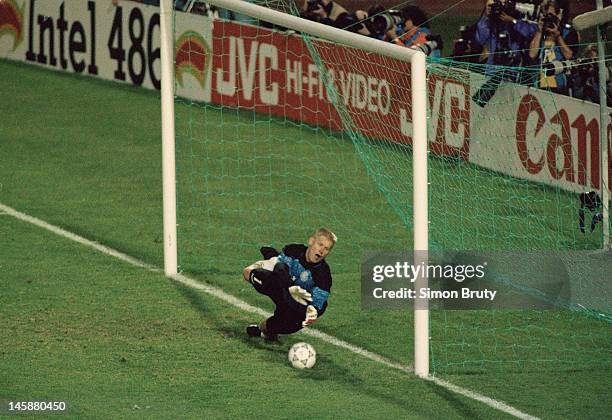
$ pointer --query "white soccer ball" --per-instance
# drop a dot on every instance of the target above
(302, 356)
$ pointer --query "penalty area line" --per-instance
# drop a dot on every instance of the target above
(232, 300)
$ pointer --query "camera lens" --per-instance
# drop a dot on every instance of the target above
(312, 5)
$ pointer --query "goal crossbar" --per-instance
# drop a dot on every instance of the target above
(319, 30)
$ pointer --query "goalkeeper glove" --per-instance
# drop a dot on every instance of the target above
(300, 295)
(311, 316)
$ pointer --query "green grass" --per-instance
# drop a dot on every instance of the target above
(114, 341)
(85, 155)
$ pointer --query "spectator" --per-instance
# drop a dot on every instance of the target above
(414, 30)
(204, 9)
(354, 22)
(328, 12)
(585, 77)
(465, 47)
(502, 36)
(176, 4)
(551, 43)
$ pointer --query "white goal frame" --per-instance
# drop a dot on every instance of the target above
(417, 60)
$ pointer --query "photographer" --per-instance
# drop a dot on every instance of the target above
(328, 12)
(585, 77)
(414, 31)
(465, 47)
(551, 43)
(502, 35)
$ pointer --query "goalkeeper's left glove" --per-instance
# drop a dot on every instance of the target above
(300, 295)
(311, 316)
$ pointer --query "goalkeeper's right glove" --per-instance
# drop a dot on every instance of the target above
(300, 295)
(311, 316)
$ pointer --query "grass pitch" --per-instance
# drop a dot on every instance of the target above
(114, 340)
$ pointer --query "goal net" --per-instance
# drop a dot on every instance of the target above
(279, 133)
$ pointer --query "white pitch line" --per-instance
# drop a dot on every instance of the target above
(500, 405)
(311, 332)
(232, 300)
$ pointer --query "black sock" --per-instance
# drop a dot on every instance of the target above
(581, 219)
(598, 217)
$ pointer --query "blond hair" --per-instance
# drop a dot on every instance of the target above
(326, 233)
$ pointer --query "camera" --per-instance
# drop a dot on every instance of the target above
(465, 45)
(434, 42)
(528, 10)
(505, 55)
(349, 22)
(382, 20)
(550, 21)
(497, 8)
(312, 5)
(583, 67)
(586, 68)
(556, 67)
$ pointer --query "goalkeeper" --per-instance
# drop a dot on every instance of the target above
(298, 280)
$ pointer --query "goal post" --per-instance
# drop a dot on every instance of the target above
(168, 138)
(420, 209)
(417, 60)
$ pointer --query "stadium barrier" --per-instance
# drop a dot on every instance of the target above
(525, 132)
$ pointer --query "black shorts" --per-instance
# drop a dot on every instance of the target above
(288, 314)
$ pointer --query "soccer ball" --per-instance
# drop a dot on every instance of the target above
(302, 356)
